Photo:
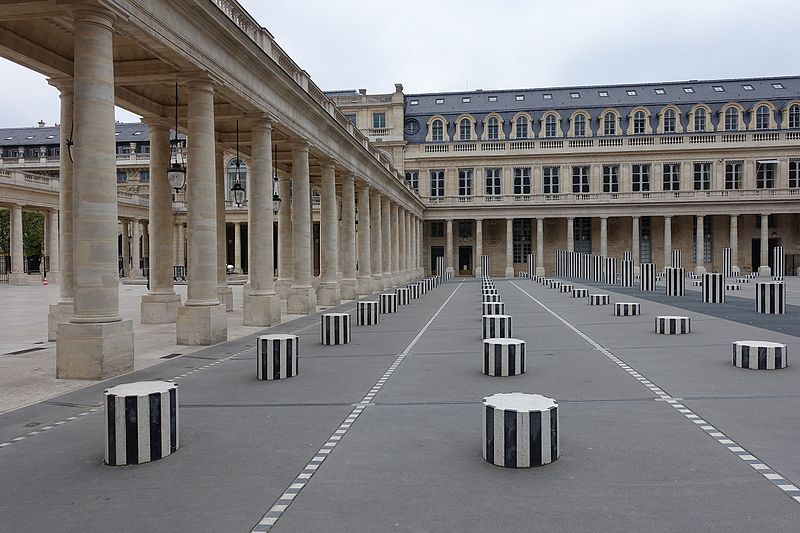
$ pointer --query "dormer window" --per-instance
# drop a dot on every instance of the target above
(631, 92)
(688, 90)
(602, 94)
(660, 91)
(519, 97)
(747, 87)
(574, 95)
(778, 86)
(719, 89)
(439, 101)
(466, 99)
(547, 96)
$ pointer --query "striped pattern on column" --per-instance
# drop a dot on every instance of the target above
(413, 290)
(697, 283)
(487, 292)
(627, 309)
(335, 328)
(423, 286)
(586, 261)
(673, 325)
(493, 308)
(626, 273)
(276, 355)
(368, 313)
(771, 297)
(141, 422)
(496, 326)
(647, 282)
(440, 267)
(597, 268)
(503, 357)
(732, 287)
(778, 263)
(713, 288)
(727, 264)
(388, 301)
(580, 293)
(627, 256)
(676, 280)
(403, 298)
(610, 271)
(599, 299)
(677, 259)
(759, 355)
(490, 298)
(531, 265)
(743, 280)
(485, 265)
(520, 430)
(566, 287)
(556, 284)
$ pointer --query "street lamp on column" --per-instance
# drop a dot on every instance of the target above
(176, 175)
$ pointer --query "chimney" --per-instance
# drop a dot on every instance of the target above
(41, 123)
(362, 92)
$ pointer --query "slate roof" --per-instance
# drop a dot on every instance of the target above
(50, 135)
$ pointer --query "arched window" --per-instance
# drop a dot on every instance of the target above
(794, 116)
(522, 128)
(493, 129)
(465, 129)
(233, 170)
(639, 122)
(669, 121)
(580, 126)
(437, 131)
(610, 124)
(700, 119)
(762, 117)
(550, 126)
(731, 119)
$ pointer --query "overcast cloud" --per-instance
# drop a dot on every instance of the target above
(452, 45)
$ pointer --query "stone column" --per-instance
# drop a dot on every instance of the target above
(376, 244)
(224, 293)
(364, 260)
(448, 251)
(237, 246)
(136, 256)
(667, 241)
(478, 247)
(60, 312)
(699, 247)
(509, 247)
(764, 270)
(96, 343)
(395, 210)
(201, 320)
(635, 244)
(262, 307)
(126, 248)
(181, 246)
(302, 298)
(146, 244)
(349, 283)
(386, 241)
(401, 245)
(408, 247)
(53, 246)
(734, 243)
(17, 276)
(604, 236)
(540, 271)
(329, 292)
(285, 274)
(160, 304)
(570, 234)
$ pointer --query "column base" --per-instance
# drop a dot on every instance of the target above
(364, 285)
(509, 272)
(386, 280)
(329, 293)
(540, 271)
(19, 279)
(478, 272)
(262, 310)
(160, 308)
(59, 313)
(225, 296)
(282, 287)
(764, 272)
(302, 300)
(348, 289)
(700, 270)
(53, 277)
(94, 351)
(377, 283)
(201, 325)
(136, 273)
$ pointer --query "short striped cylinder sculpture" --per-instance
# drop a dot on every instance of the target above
(759, 355)
(490, 297)
(627, 309)
(580, 293)
(647, 282)
(276, 356)
(556, 284)
(713, 288)
(368, 313)
(403, 297)
(141, 422)
(742, 280)
(771, 297)
(733, 287)
(673, 325)
(626, 273)
(493, 308)
(388, 301)
(496, 326)
(335, 329)
(599, 299)
(520, 430)
(413, 290)
(489, 291)
(697, 283)
(566, 287)
(503, 357)
(423, 286)
(675, 285)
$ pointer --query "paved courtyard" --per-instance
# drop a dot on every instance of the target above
(658, 433)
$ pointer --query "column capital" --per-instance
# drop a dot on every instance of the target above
(199, 82)
(376, 193)
(259, 120)
(93, 14)
(299, 145)
(155, 122)
(348, 178)
(327, 163)
(65, 85)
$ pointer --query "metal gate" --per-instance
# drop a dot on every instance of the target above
(5, 268)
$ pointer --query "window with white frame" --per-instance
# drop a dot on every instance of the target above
(762, 117)
(522, 127)
(580, 179)
(640, 177)
(702, 176)
(610, 124)
(465, 182)
(550, 180)
(465, 129)
(579, 126)
(610, 178)
(522, 180)
(731, 119)
(379, 120)
(437, 131)
(639, 123)
(765, 174)
(733, 175)
(412, 178)
(794, 116)
(494, 182)
(493, 129)
(550, 126)
(521, 239)
(669, 121)
(437, 183)
(794, 173)
(672, 176)
(699, 119)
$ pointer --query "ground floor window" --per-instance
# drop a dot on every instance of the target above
(582, 234)
(645, 240)
(521, 239)
(708, 243)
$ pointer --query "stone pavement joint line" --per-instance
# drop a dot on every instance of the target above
(302, 479)
(751, 460)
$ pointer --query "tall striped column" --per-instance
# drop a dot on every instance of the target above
(596, 268)
(440, 267)
(778, 263)
(713, 287)
(675, 278)
(677, 259)
(485, 265)
(626, 273)
(610, 271)
(727, 265)
(627, 256)
(648, 277)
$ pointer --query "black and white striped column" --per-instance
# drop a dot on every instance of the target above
(732, 287)
(599, 299)
(627, 256)
(440, 267)
(485, 265)
(673, 325)
(503, 357)
(276, 356)
(778, 263)
(555, 284)
(580, 293)
(647, 282)
(759, 355)
(141, 422)
(627, 309)
(335, 328)
(727, 263)
(566, 288)
(388, 301)
(520, 430)
(403, 297)
(531, 265)
(493, 308)
(626, 273)
(368, 313)
(610, 271)
(424, 286)
(771, 297)
(413, 290)
(676, 280)
(496, 326)
(596, 273)
(677, 259)
(490, 297)
(713, 288)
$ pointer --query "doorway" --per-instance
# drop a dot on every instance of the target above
(436, 252)
(465, 261)
(755, 255)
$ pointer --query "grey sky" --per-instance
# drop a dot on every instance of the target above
(441, 45)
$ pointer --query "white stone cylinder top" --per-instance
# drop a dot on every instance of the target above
(141, 388)
(496, 316)
(336, 314)
(672, 317)
(760, 344)
(507, 342)
(520, 402)
(278, 336)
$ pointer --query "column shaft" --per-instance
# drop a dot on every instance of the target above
(237, 246)
(329, 292)
(17, 243)
(478, 269)
(395, 210)
(667, 241)
(448, 251)
(364, 260)
(136, 255)
(763, 268)
(285, 275)
(53, 245)
(635, 243)
(224, 293)
(540, 270)
(509, 247)
(302, 298)
(376, 246)
(699, 247)
(604, 236)
(386, 241)
(126, 248)
(401, 244)
(734, 242)
(349, 284)
(570, 234)
(65, 203)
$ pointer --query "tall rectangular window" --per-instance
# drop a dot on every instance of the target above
(465, 182)
(702, 176)
(640, 178)
(379, 120)
(672, 177)
(645, 241)
(610, 178)
(437, 183)
(493, 182)
(708, 247)
(550, 180)
(580, 179)
(465, 229)
(437, 229)
(765, 174)
(522, 180)
(733, 175)
(582, 234)
(522, 128)
(412, 178)
(521, 238)
(794, 173)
